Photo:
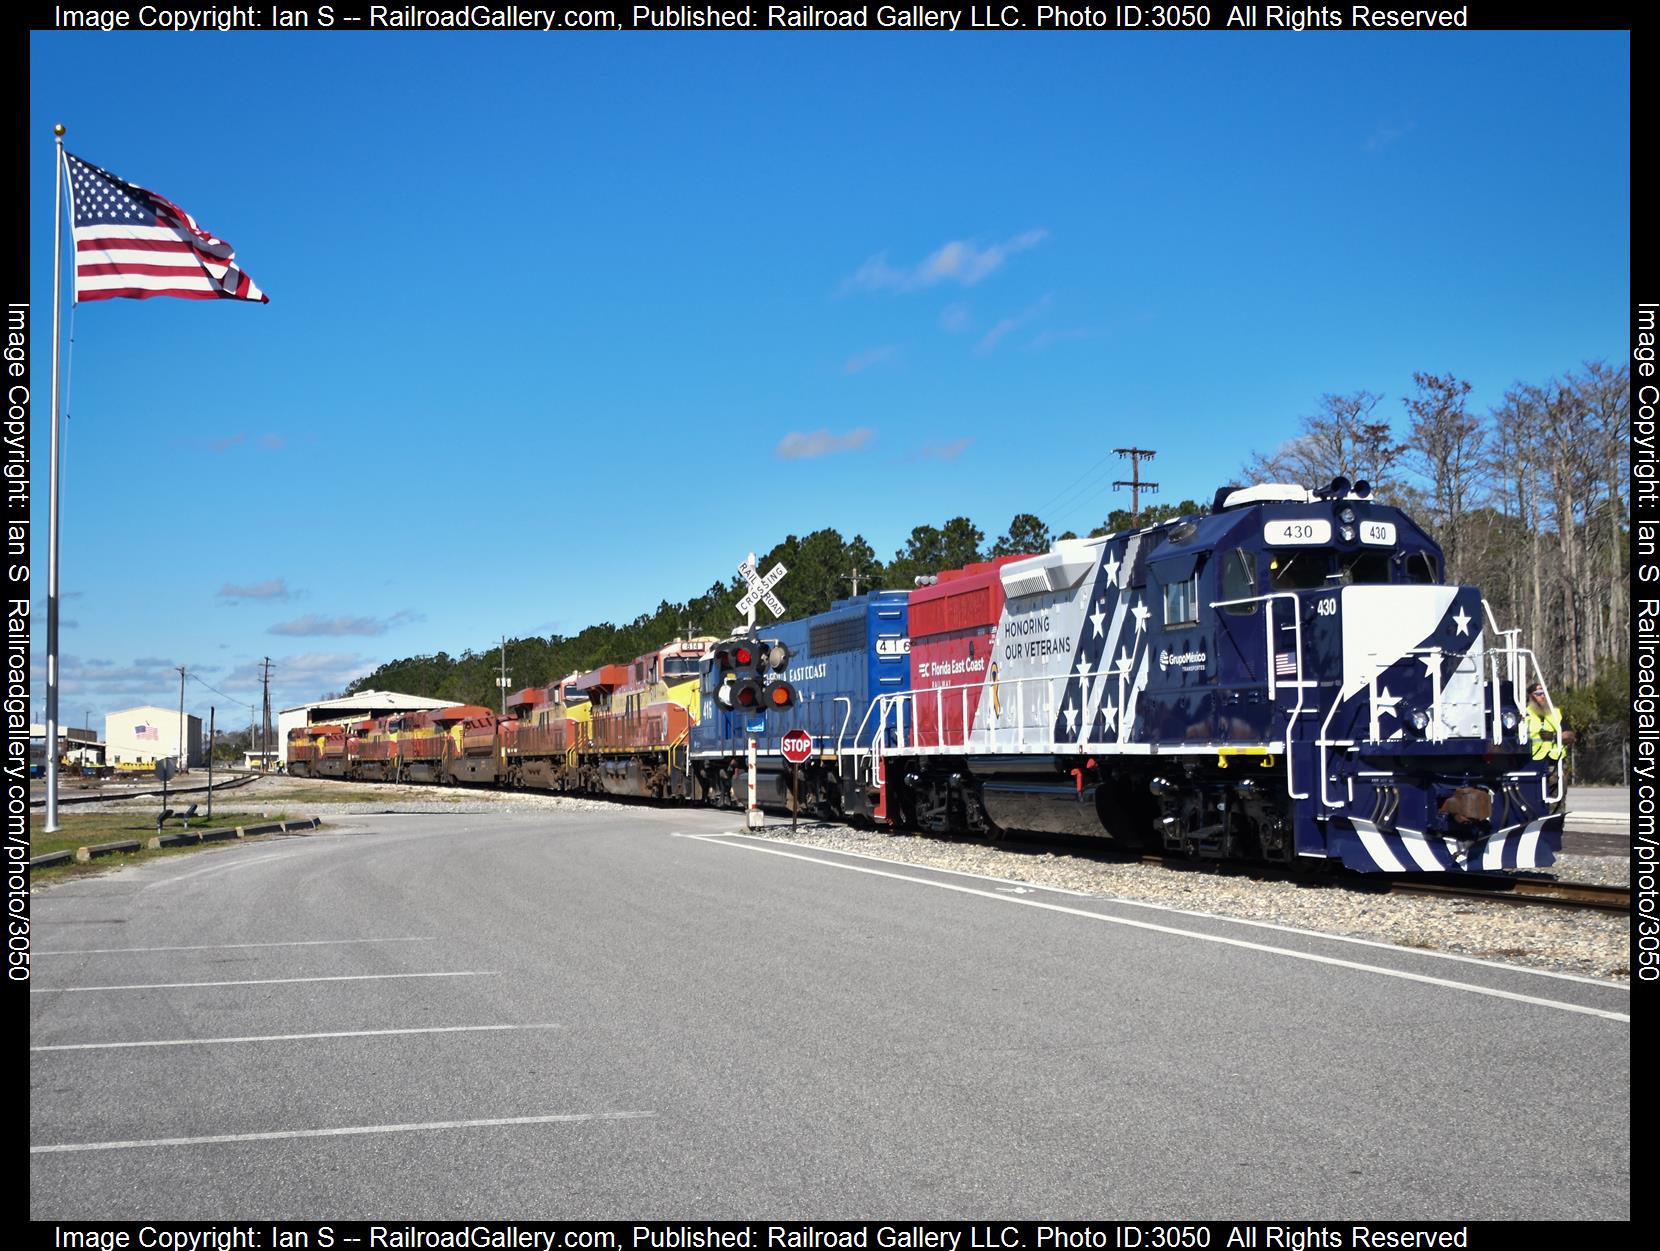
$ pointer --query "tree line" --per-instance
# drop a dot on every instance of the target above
(1529, 501)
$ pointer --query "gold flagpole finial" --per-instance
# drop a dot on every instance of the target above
(58, 130)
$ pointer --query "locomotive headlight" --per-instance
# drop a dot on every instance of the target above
(1510, 719)
(1348, 533)
(1419, 719)
(1346, 515)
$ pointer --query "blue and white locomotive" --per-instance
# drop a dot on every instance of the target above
(1284, 678)
(839, 664)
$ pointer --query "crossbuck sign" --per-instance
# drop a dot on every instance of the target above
(760, 589)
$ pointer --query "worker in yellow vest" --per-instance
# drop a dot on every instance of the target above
(1544, 725)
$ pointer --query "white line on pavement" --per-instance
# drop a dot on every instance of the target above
(1181, 933)
(254, 1038)
(865, 855)
(261, 981)
(1351, 939)
(343, 1131)
(302, 942)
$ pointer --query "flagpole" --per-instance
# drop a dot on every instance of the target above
(52, 512)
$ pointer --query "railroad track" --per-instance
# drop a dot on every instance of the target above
(1525, 890)
(105, 797)
(1544, 892)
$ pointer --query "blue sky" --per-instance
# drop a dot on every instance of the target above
(562, 325)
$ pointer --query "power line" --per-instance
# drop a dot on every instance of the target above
(221, 694)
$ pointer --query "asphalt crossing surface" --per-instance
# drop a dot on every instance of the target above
(636, 1014)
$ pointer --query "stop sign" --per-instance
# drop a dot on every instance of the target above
(797, 745)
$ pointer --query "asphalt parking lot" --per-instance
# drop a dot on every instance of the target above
(636, 1014)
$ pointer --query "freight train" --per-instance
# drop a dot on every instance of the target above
(1285, 678)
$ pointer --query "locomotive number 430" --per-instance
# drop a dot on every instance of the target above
(1326, 607)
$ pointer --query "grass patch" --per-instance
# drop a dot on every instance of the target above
(91, 828)
(370, 793)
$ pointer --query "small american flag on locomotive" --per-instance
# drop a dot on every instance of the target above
(131, 243)
(1285, 665)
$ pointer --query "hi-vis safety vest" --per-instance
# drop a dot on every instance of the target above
(1545, 733)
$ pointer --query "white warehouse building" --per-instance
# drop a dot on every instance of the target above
(149, 733)
(360, 707)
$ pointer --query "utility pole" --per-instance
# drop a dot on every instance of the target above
(265, 716)
(184, 748)
(856, 575)
(502, 681)
(1136, 484)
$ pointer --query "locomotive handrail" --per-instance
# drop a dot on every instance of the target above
(1268, 644)
(1514, 663)
(842, 733)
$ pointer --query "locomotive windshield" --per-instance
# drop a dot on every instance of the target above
(1310, 568)
(681, 666)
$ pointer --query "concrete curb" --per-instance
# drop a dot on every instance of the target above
(183, 838)
(180, 838)
(84, 854)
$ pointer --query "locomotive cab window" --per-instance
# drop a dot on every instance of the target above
(1181, 602)
(1239, 581)
(1301, 570)
(1364, 567)
(1420, 567)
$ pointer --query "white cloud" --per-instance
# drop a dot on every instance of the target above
(271, 588)
(946, 451)
(997, 333)
(802, 446)
(861, 361)
(959, 261)
(313, 625)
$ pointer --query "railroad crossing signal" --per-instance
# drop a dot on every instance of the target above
(760, 589)
(779, 694)
(739, 662)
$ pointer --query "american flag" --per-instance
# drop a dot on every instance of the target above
(132, 243)
(1285, 665)
(147, 733)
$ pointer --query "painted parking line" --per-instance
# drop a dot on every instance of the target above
(302, 942)
(558, 1118)
(263, 981)
(258, 1038)
(1309, 956)
(1325, 935)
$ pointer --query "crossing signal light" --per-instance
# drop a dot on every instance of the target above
(737, 673)
(779, 695)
